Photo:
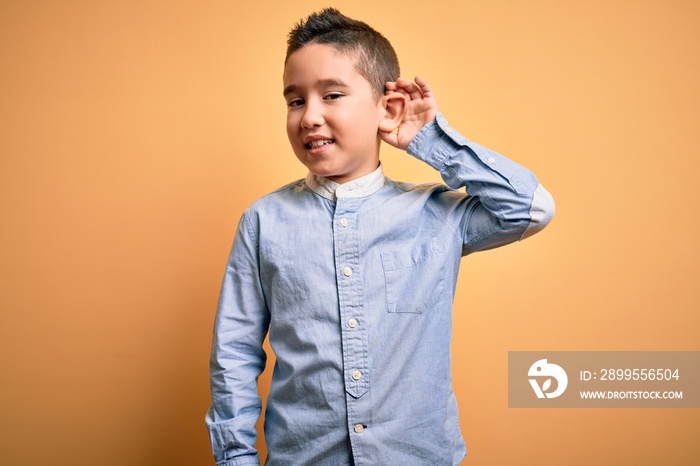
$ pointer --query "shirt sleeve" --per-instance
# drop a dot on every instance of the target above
(237, 356)
(505, 201)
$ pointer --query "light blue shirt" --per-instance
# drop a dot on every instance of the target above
(354, 284)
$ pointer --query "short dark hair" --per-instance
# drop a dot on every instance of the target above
(375, 58)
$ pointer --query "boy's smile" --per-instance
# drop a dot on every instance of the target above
(332, 114)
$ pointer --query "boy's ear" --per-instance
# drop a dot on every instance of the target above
(395, 104)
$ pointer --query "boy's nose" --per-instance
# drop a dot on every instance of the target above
(312, 116)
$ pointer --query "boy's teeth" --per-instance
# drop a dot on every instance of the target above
(319, 143)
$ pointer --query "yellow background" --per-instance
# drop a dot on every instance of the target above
(133, 133)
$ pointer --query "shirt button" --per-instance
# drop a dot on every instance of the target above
(352, 323)
(356, 375)
(491, 160)
(347, 271)
(359, 428)
(344, 222)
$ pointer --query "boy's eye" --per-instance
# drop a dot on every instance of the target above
(333, 96)
(295, 103)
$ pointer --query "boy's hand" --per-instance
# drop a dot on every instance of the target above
(421, 110)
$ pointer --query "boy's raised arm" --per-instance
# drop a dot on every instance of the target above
(505, 201)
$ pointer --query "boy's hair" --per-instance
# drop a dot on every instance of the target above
(375, 58)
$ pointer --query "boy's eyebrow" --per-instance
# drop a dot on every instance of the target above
(331, 82)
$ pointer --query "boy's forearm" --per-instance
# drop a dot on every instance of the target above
(504, 190)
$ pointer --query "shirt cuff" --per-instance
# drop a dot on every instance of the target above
(247, 460)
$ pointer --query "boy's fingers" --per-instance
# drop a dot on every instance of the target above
(397, 87)
(416, 90)
(390, 138)
(424, 86)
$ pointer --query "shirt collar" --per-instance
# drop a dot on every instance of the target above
(360, 187)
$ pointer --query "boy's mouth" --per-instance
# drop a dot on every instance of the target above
(318, 143)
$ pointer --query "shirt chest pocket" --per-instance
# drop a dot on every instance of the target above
(415, 279)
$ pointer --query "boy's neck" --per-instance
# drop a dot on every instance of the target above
(358, 187)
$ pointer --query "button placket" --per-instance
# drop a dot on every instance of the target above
(350, 294)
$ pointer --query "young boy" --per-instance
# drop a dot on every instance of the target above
(353, 274)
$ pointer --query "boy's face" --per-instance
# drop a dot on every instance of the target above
(332, 114)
